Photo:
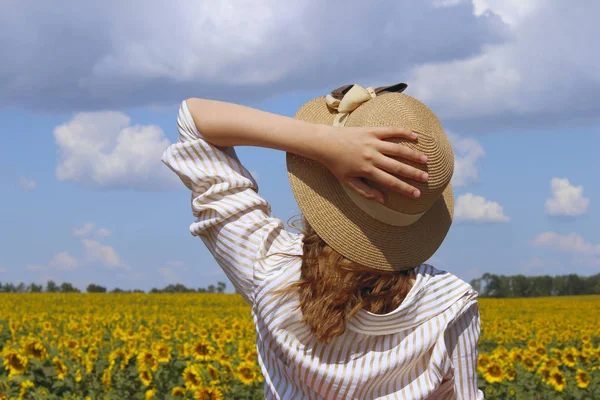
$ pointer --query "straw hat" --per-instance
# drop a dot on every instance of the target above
(402, 233)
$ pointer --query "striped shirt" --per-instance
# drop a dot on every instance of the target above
(425, 349)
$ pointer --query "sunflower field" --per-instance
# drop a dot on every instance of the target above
(202, 346)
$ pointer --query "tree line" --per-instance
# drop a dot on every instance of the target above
(66, 287)
(501, 286)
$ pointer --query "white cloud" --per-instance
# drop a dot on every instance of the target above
(128, 54)
(26, 183)
(477, 209)
(63, 261)
(103, 232)
(566, 199)
(84, 231)
(571, 243)
(512, 82)
(89, 229)
(511, 11)
(102, 150)
(104, 254)
(3, 270)
(466, 153)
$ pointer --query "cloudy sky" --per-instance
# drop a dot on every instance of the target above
(89, 94)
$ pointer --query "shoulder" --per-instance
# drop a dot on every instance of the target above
(443, 286)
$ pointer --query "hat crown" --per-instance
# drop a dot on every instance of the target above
(401, 110)
(403, 233)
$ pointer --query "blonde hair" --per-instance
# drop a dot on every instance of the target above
(332, 288)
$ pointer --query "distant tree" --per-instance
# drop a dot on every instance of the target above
(21, 288)
(117, 290)
(51, 287)
(93, 288)
(33, 288)
(9, 288)
(211, 288)
(137, 291)
(221, 287)
(201, 290)
(67, 287)
(490, 285)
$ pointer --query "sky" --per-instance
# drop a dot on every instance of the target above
(89, 94)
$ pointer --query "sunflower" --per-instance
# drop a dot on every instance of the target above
(165, 332)
(25, 385)
(107, 378)
(72, 344)
(552, 363)
(178, 391)
(493, 372)
(569, 357)
(583, 378)
(145, 359)
(251, 356)
(36, 349)
(482, 362)
(512, 392)
(211, 393)
(510, 373)
(150, 393)
(585, 338)
(163, 352)
(61, 368)
(202, 350)
(246, 373)
(557, 380)
(192, 377)
(89, 364)
(145, 376)
(78, 375)
(93, 352)
(528, 363)
(15, 362)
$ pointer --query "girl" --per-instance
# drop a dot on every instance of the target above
(347, 309)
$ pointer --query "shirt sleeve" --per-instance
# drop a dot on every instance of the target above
(461, 338)
(232, 220)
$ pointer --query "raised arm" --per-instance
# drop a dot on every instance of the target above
(350, 153)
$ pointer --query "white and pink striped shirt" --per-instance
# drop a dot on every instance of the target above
(425, 349)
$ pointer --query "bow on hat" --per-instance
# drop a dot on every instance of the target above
(348, 98)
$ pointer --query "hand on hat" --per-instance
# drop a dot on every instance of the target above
(354, 153)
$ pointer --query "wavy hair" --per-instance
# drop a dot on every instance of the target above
(332, 288)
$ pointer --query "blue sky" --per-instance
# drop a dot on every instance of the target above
(86, 199)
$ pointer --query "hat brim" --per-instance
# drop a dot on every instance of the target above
(355, 234)
(349, 230)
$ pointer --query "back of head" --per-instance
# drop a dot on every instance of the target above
(332, 288)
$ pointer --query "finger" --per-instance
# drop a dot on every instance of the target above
(385, 179)
(399, 168)
(399, 150)
(386, 132)
(366, 191)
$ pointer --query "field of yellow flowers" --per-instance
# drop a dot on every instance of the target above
(201, 346)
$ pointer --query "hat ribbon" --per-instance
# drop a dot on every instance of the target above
(356, 96)
(348, 98)
(352, 97)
